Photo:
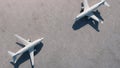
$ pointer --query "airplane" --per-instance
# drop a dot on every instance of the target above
(29, 46)
(88, 11)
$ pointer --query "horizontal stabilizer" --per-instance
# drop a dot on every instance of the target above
(13, 56)
(11, 53)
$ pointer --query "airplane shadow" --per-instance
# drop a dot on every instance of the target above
(25, 56)
(84, 21)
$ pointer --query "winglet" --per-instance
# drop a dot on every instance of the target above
(105, 3)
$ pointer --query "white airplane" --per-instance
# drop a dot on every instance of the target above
(29, 46)
(88, 11)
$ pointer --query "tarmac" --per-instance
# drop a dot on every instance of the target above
(66, 43)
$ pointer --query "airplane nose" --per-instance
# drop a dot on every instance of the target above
(41, 39)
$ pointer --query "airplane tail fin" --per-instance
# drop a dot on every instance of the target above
(105, 3)
(13, 56)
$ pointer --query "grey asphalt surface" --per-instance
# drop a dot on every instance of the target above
(66, 44)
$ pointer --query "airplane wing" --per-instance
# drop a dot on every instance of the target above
(31, 51)
(25, 42)
(94, 17)
(86, 6)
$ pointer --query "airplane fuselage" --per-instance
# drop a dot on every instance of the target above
(89, 10)
(29, 46)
